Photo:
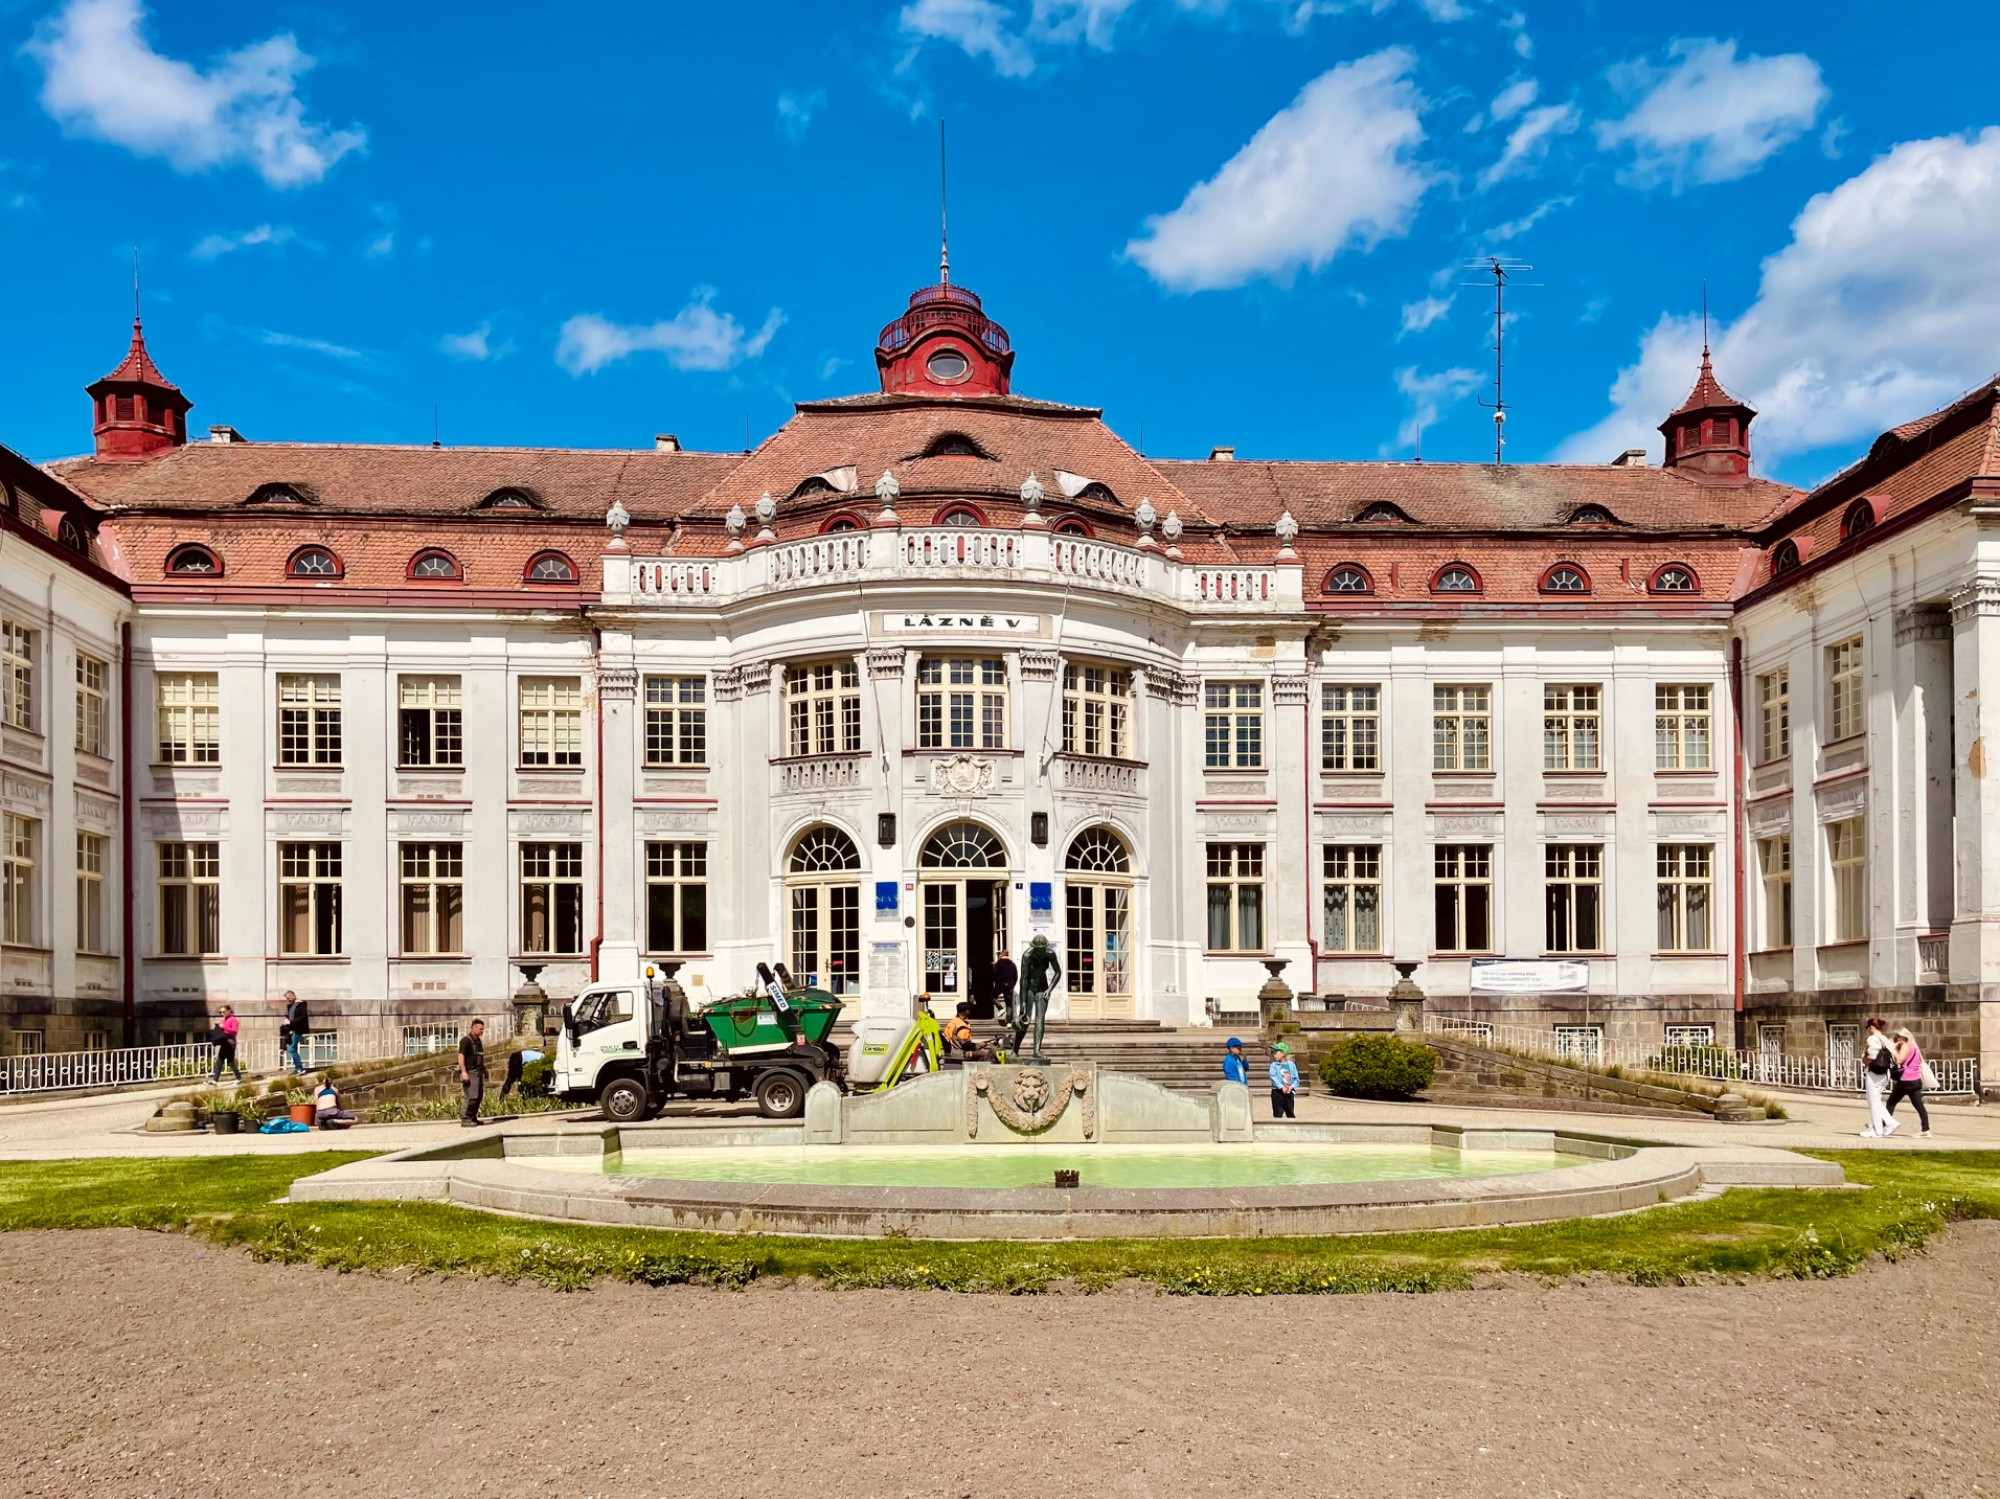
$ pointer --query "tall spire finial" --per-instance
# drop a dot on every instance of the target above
(944, 206)
(135, 286)
(1704, 322)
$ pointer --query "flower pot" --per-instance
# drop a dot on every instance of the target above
(302, 1113)
(224, 1121)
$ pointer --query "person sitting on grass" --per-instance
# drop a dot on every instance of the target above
(327, 1111)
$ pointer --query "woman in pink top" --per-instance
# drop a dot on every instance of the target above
(1909, 1080)
(224, 1036)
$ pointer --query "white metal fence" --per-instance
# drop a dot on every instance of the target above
(1588, 1045)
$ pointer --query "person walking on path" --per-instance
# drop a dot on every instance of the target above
(1878, 1062)
(1005, 976)
(1912, 1072)
(1284, 1083)
(298, 1020)
(472, 1071)
(1234, 1068)
(224, 1039)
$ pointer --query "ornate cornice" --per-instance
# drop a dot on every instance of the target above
(1922, 622)
(1976, 600)
(1039, 665)
(1169, 686)
(1290, 692)
(887, 661)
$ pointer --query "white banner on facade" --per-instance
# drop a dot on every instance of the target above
(949, 623)
(1528, 976)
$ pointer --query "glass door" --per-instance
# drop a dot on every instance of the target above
(1098, 950)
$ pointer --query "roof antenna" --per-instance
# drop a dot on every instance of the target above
(436, 436)
(1420, 442)
(1704, 322)
(944, 205)
(1502, 270)
(135, 286)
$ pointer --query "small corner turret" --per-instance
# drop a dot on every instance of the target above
(1708, 437)
(135, 410)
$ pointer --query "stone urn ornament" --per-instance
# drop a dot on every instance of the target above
(1145, 518)
(886, 490)
(1287, 531)
(617, 520)
(734, 522)
(1032, 495)
(767, 512)
(1171, 528)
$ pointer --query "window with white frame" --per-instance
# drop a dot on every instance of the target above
(1463, 889)
(190, 899)
(92, 851)
(1350, 727)
(1774, 715)
(20, 842)
(17, 686)
(432, 876)
(190, 717)
(1847, 854)
(676, 720)
(430, 721)
(961, 702)
(1097, 710)
(1235, 897)
(823, 708)
(308, 719)
(1461, 728)
(1574, 897)
(1233, 725)
(1774, 863)
(551, 721)
(309, 899)
(1685, 897)
(676, 897)
(1351, 889)
(1580, 1043)
(552, 897)
(28, 1043)
(1682, 731)
(93, 706)
(1690, 1037)
(1572, 728)
(1845, 712)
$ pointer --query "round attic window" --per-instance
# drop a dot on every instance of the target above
(947, 366)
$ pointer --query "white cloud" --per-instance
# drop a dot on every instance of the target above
(1330, 170)
(382, 246)
(1418, 316)
(215, 246)
(1512, 99)
(979, 28)
(695, 338)
(310, 345)
(796, 111)
(475, 345)
(1710, 118)
(1514, 228)
(1884, 306)
(1530, 140)
(102, 79)
(1430, 396)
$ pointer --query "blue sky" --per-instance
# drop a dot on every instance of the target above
(1225, 221)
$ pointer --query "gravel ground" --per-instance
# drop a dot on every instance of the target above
(148, 1364)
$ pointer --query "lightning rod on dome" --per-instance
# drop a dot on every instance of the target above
(944, 212)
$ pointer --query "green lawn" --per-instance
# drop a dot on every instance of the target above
(1794, 1234)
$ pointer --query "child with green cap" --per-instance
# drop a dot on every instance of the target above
(1284, 1082)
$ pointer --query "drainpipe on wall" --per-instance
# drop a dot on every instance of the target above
(1737, 813)
(126, 821)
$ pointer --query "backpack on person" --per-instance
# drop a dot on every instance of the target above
(1882, 1062)
(217, 1035)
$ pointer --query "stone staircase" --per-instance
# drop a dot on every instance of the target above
(1187, 1061)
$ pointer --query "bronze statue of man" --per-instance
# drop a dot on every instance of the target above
(1039, 973)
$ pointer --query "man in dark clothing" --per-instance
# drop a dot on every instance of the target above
(298, 1022)
(1005, 977)
(472, 1071)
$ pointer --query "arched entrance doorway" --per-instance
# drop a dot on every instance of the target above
(962, 875)
(823, 894)
(1097, 926)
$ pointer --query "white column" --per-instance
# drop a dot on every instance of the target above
(618, 743)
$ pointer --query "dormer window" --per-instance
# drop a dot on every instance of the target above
(1565, 577)
(1381, 515)
(70, 534)
(840, 523)
(1349, 577)
(954, 444)
(313, 562)
(435, 566)
(508, 499)
(550, 567)
(1455, 577)
(1785, 559)
(1860, 517)
(193, 561)
(1071, 526)
(961, 515)
(275, 494)
(1674, 578)
(1592, 515)
(1097, 493)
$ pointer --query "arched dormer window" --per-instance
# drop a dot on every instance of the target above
(1860, 517)
(1382, 513)
(1592, 515)
(550, 567)
(276, 494)
(1456, 577)
(192, 560)
(1675, 577)
(1097, 493)
(1565, 577)
(1785, 559)
(435, 565)
(954, 445)
(71, 535)
(314, 563)
(1349, 577)
(509, 498)
(1069, 525)
(811, 485)
(841, 522)
(960, 515)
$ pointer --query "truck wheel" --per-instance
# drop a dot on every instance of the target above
(624, 1102)
(780, 1095)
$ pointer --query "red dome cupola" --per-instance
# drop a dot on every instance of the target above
(944, 345)
(1708, 438)
(135, 410)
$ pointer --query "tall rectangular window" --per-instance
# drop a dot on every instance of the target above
(1097, 711)
(91, 852)
(1350, 727)
(1774, 861)
(1774, 715)
(308, 719)
(20, 839)
(430, 719)
(309, 899)
(190, 899)
(1685, 897)
(1235, 897)
(190, 717)
(552, 897)
(1574, 895)
(676, 720)
(1845, 713)
(1233, 725)
(1463, 874)
(1848, 855)
(961, 702)
(1352, 894)
(676, 897)
(433, 883)
(93, 704)
(17, 686)
(1461, 728)
(823, 708)
(1572, 729)
(552, 721)
(1682, 733)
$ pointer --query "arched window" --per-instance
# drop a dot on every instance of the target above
(823, 850)
(1860, 517)
(811, 485)
(192, 560)
(1565, 577)
(1098, 851)
(275, 494)
(1381, 514)
(1592, 515)
(70, 534)
(840, 523)
(1455, 577)
(313, 562)
(1785, 559)
(962, 845)
(1097, 493)
(961, 515)
(1349, 577)
(1675, 578)
(435, 565)
(953, 445)
(550, 567)
(509, 498)
(1069, 525)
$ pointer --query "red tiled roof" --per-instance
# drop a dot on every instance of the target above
(137, 365)
(1707, 392)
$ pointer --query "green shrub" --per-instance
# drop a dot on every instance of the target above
(537, 1078)
(1378, 1067)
